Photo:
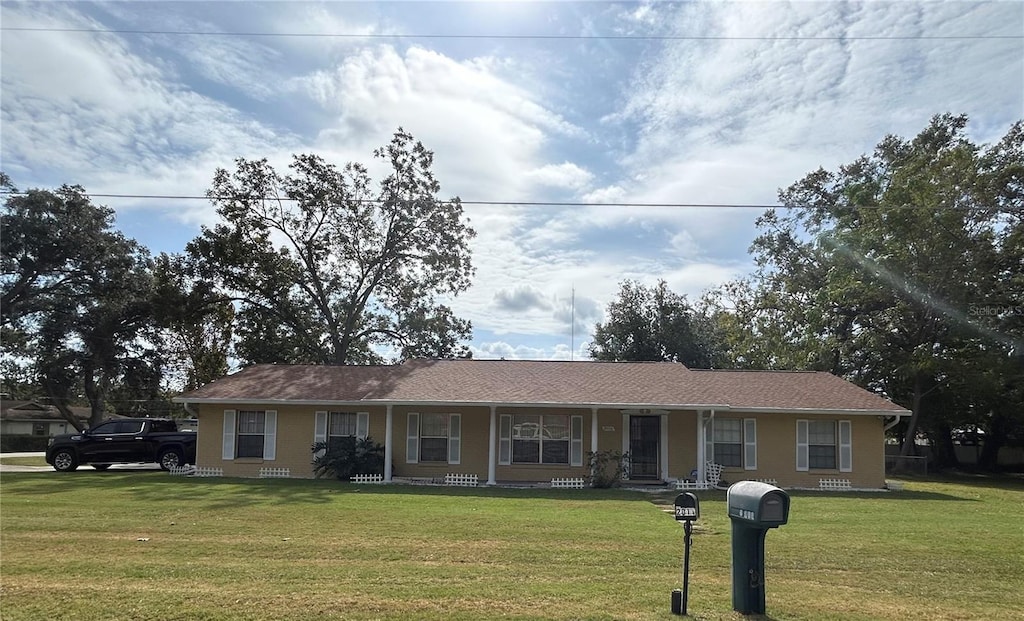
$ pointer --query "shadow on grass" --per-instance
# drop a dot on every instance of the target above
(1004, 482)
(221, 492)
(218, 492)
(720, 495)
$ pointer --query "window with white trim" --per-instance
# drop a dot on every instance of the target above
(250, 437)
(824, 445)
(433, 437)
(341, 430)
(821, 444)
(732, 442)
(728, 439)
(555, 439)
(249, 433)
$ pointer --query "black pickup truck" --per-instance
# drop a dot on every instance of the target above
(124, 441)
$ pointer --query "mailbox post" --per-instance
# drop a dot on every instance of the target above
(687, 510)
(753, 509)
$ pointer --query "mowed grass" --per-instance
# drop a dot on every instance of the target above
(23, 461)
(144, 545)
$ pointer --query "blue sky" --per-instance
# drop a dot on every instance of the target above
(721, 103)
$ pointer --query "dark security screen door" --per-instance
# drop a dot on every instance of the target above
(644, 440)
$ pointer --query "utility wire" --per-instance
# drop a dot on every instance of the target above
(532, 203)
(541, 37)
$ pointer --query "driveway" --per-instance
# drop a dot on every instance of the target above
(12, 468)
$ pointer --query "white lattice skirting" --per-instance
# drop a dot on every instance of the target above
(768, 481)
(834, 484)
(577, 483)
(462, 480)
(275, 473)
(363, 479)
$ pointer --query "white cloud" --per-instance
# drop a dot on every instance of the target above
(89, 107)
(565, 175)
(697, 121)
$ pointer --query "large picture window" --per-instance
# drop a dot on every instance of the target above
(555, 439)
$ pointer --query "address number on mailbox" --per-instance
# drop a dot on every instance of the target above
(683, 513)
(687, 507)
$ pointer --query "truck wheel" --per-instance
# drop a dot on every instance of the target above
(65, 460)
(101, 466)
(171, 458)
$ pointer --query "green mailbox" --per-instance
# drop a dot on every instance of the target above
(753, 509)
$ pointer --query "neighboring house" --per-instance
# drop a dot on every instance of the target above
(508, 421)
(31, 418)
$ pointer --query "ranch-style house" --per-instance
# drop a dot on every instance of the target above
(517, 421)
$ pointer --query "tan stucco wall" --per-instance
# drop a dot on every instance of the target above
(776, 452)
(776, 444)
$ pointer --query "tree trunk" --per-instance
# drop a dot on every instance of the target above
(995, 437)
(943, 450)
(908, 445)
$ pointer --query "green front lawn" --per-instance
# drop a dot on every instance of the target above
(23, 461)
(149, 546)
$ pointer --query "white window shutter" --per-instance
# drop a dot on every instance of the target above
(576, 441)
(228, 443)
(505, 440)
(412, 439)
(845, 446)
(320, 431)
(454, 438)
(270, 435)
(750, 444)
(362, 425)
(802, 457)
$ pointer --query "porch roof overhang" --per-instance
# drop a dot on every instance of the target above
(717, 407)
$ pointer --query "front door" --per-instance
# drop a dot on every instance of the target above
(644, 444)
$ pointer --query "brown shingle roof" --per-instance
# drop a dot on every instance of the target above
(537, 382)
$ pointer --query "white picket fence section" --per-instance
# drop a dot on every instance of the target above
(768, 481)
(208, 471)
(462, 480)
(683, 484)
(181, 471)
(275, 473)
(577, 483)
(834, 484)
(362, 479)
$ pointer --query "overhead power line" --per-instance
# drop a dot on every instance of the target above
(535, 37)
(498, 203)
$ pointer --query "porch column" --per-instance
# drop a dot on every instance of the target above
(593, 430)
(492, 448)
(700, 446)
(664, 447)
(389, 428)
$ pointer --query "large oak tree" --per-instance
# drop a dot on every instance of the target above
(77, 301)
(902, 271)
(326, 267)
